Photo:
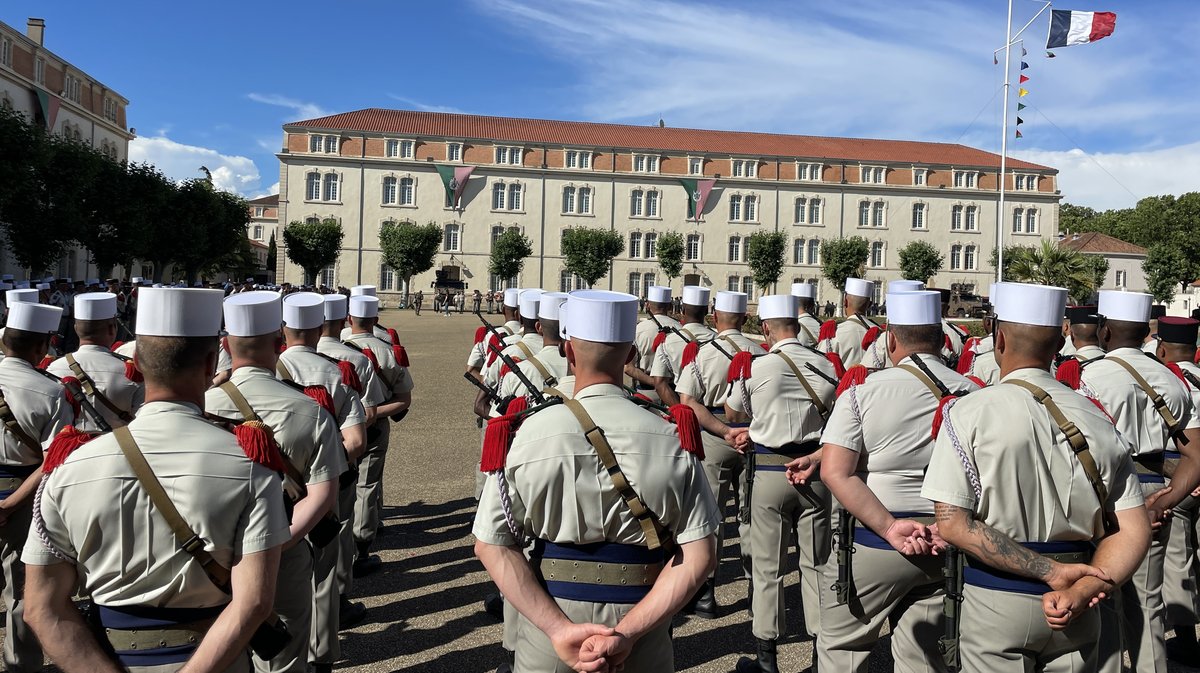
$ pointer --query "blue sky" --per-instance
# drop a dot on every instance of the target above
(211, 83)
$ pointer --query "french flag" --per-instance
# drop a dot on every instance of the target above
(1068, 28)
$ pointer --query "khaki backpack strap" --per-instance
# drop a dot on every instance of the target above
(657, 536)
(547, 378)
(812, 394)
(729, 340)
(1075, 437)
(187, 538)
(282, 371)
(937, 393)
(1160, 404)
(89, 388)
(808, 332)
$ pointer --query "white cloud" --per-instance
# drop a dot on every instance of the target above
(179, 162)
(424, 107)
(303, 109)
(1106, 180)
(269, 191)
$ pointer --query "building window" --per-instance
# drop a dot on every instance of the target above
(734, 284)
(450, 237)
(568, 281)
(497, 230)
(509, 155)
(814, 251)
(635, 245)
(956, 218)
(918, 219)
(258, 232)
(453, 151)
(635, 284)
(877, 257)
(1031, 221)
(258, 210)
(387, 278)
(312, 191)
(877, 214)
(326, 277)
(407, 191)
(5, 51)
(1018, 220)
(801, 216)
(652, 203)
(498, 191)
(73, 87)
(1026, 183)
(39, 70)
(956, 257)
(390, 190)
(969, 255)
(645, 163)
(578, 159)
(972, 218)
(743, 208)
(643, 203)
(577, 200)
(965, 179)
(695, 166)
(312, 220)
(407, 149)
(797, 251)
(391, 148)
(745, 168)
(735, 248)
(331, 144)
(864, 214)
(810, 172)
(651, 245)
(1122, 279)
(649, 279)
(585, 201)
(692, 252)
(514, 196)
(814, 211)
(323, 144)
(748, 286)
(330, 192)
(110, 109)
(872, 174)
(919, 176)
(735, 208)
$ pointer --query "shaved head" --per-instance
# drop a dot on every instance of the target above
(1019, 345)
(1085, 335)
(164, 359)
(1123, 334)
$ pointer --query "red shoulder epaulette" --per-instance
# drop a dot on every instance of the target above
(258, 443)
(45, 362)
(658, 341)
(740, 366)
(690, 351)
(480, 333)
(70, 383)
(66, 441)
(499, 435)
(839, 369)
(321, 396)
(688, 429)
(371, 356)
(966, 359)
(949, 345)
(133, 373)
(1070, 373)
(828, 330)
(853, 376)
(872, 334)
(350, 376)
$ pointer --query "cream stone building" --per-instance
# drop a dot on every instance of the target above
(370, 166)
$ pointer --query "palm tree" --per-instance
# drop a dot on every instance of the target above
(1050, 264)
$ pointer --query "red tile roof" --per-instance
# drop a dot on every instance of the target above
(271, 200)
(1096, 243)
(668, 139)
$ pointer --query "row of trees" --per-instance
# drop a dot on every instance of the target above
(56, 193)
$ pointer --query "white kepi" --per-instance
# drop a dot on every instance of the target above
(731, 302)
(30, 317)
(804, 290)
(550, 305)
(96, 306)
(357, 290)
(529, 303)
(304, 310)
(860, 288)
(602, 316)
(921, 307)
(694, 295)
(776, 306)
(512, 297)
(335, 306)
(659, 294)
(1125, 306)
(16, 296)
(904, 286)
(251, 314)
(1038, 305)
(364, 306)
(179, 312)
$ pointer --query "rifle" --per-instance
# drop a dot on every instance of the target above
(951, 605)
(490, 327)
(490, 396)
(845, 552)
(744, 510)
(93, 414)
(534, 391)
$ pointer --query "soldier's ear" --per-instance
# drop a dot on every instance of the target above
(570, 353)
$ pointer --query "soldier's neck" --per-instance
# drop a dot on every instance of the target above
(587, 377)
(95, 342)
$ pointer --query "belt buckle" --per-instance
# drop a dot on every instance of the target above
(192, 543)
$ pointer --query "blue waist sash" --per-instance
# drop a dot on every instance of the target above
(18, 472)
(1150, 467)
(643, 386)
(143, 617)
(1172, 455)
(868, 538)
(791, 450)
(977, 574)
(595, 552)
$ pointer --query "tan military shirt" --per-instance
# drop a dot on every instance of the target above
(224, 358)
(781, 410)
(306, 433)
(1191, 373)
(39, 405)
(396, 379)
(668, 358)
(531, 342)
(810, 329)
(99, 516)
(1068, 348)
(478, 355)
(1089, 353)
(373, 393)
(377, 331)
(643, 339)
(848, 342)
(983, 365)
(549, 358)
(888, 421)
(1129, 405)
(706, 379)
(561, 493)
(107, 372)
(309, 369)
(956, 337)
(1031, 486)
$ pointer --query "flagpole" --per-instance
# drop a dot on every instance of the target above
(1000, 219)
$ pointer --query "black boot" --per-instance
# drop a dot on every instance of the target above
(766, 659)
(350, 614)
(365, 563)
(322, 668)
(704, 603)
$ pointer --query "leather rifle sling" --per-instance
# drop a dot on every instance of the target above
(937, 393)
(12, 425)
(812, 394)
(89, 388)
(1160, 405)
(248, 413)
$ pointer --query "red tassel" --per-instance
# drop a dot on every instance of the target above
(494, 341)
(70, 383)
(395, 338)
(690, 351)
(321, 396)
(765, 346)
(1070, 373)
(371, 356)
(976, 380)
(854, 376)
(828, 330)
(258, 443)
(870, 337)
(480, 333)
(839, 369)
(45, 362)
(658, 341)
(966, 359)
(1178, 372)
(116, 345)
(496, 441)
(643, 398)
(1196, 360)
(133, 373)
(66, 441)
(689, 430)
(740, 366)
(350, 376)
(400, 353)
(516, 405)
(939, 415)
(504, 371)
(948, 344)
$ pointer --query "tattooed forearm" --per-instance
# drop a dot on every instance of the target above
(960, 528)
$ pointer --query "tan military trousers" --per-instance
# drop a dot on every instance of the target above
(293, 603)
(480, 477)
(654, 653)
(368, 507)
(345, 574)
(323, 641)
(724, 468)
(888, 587)
(1180, 586)
(21, 649)
(1007, 632)
(778, 509)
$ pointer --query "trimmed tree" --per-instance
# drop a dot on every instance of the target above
(314, 245)
(1167, 270)
(409, 248)
(844, 258)
(765, 252)
(272, 255)
(1051, 264)
(589, 252)
(920, 261)
(670, 254)
(508, 254)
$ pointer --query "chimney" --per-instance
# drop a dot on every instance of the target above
(36, 31)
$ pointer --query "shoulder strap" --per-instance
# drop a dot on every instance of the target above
(1192, 379)
(525, 349)
(657, 535)
(89, 388)
(1075, 437)
(280, 369)
(808, 332)
(548, 379)
(812, 394)
(12, 425)
(923, 379)
(1160, 404)
(729, 340)
(248, 413)
(187, 538)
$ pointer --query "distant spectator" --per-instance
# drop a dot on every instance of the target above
(418, 300)
(476, 299)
